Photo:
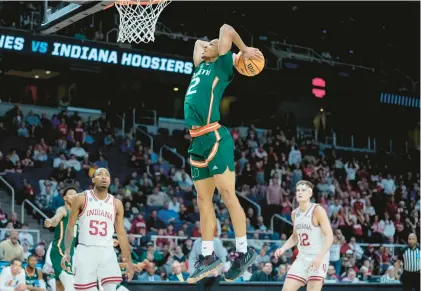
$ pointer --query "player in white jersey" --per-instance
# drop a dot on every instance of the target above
(99, 213)
(313, 236)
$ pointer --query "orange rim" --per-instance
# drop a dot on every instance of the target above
(131, 2)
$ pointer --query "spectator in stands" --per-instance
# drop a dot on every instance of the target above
(26, 237)
(157, 198)
(294, 156)
(331, 276)
(60, 160)
(351, 276)
(12, 278)
(11, 248)
(154, 223)
(388, 185)
(265, 275)
(335, 255)
(3, 218)
(78, 151)
(149, 274)
(282, 273)
(14, 220)
(23, 130)
(390, 277)
(74, 163)
(177, 274)
(167, 215)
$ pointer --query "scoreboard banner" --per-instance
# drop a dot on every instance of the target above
(89, 51)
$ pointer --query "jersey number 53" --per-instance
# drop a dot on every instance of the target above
(97, 227)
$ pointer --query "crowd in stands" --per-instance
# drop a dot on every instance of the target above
(371, 199)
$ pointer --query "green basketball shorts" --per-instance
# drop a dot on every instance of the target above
(211, 151)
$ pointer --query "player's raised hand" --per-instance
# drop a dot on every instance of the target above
(251, 52)
(279, 252)
(47, 223)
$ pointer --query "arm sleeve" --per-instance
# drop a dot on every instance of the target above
(225, 63)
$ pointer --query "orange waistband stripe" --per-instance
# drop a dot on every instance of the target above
(204, 129)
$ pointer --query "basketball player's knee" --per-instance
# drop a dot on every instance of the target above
(229, 198)
(314, 285)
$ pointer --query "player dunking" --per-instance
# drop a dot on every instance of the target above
(212, 149)
(313, 234)
(64, 276)
(98, 213)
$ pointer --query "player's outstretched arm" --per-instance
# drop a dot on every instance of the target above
(54, 221)
(228, 36)
(323, 221)
(199, 47)
(122, 238)
(77, 205)
(291, 242)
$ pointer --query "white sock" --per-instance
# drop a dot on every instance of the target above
(241, 244)
(207, 247)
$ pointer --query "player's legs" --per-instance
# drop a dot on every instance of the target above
(205, 189)
(108, 270)
(85, 269)
(59, 286)
(298, 274)
(223, 172)
(315, 284)
(52, 284)
(316, 278)
(65, 276)
(292, 284)
(66, 281)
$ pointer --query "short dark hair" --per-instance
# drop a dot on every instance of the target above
(68, 189)
(15, 260)
(32, 256)
(307, 183)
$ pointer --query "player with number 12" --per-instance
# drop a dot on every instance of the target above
(313, 236)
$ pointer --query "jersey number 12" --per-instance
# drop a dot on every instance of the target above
(304, 240)
(194, 82)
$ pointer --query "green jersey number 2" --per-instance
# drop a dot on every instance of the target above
(193, 84)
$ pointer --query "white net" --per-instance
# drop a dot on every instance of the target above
(138, 19)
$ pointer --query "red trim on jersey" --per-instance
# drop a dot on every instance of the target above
(297, 278)
(85, 286)
(115, 279)
(108, 198)
(93, 195)
(305, 214)
(85, 205)
(315, 278)
(312, 214)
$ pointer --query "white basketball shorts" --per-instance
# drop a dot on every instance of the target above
(300, 269)
(93, 263)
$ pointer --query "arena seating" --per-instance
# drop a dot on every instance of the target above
(345, 182)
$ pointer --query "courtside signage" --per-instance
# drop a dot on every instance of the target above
(89, 51)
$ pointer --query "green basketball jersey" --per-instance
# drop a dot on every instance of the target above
(32, 280)
(59, 232)
(204, 94)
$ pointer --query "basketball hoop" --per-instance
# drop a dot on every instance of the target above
(138, 19)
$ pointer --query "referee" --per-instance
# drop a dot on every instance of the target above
(410, 257)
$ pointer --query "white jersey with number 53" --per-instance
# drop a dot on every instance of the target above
(96, 221)
(310, 236)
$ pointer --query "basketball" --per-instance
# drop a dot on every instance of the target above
(249, 68)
